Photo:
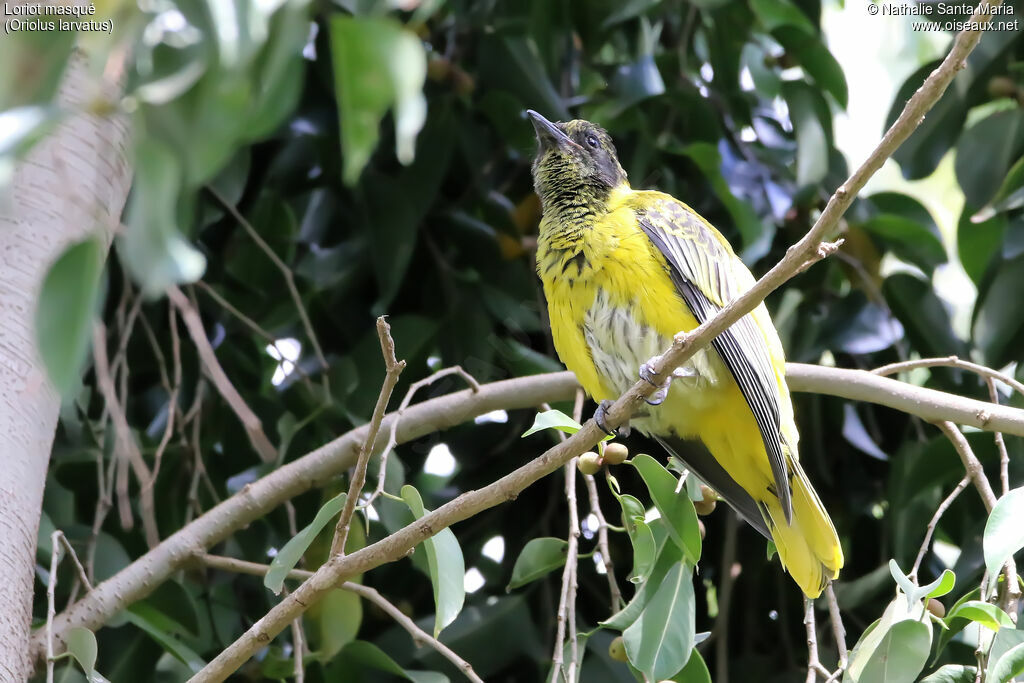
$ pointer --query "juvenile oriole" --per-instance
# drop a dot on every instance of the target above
(623, 271)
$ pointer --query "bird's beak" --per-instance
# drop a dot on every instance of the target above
(549, 135)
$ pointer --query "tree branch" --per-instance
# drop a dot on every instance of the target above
(289, 279)
(251, 423)
(393, 368)
(808, 250)
(314, 469)
(419, 636)
(330, 460)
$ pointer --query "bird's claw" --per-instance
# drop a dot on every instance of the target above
(648, 374)
(599, 418)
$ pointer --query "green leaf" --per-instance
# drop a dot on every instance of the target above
(675, 507)
(447, 567)
(985, 153)
(984, 613)
(553, 419)
(660, 642)
(334, 621)
(816, 60)
(1009, 666)
(538, 558)
(998, 326)
(901, 654)
(288, 556)
(977, 243)
(775, 13)
(1010, 194)
(938, 587)
(921, 153)
(908, 239)
(669, 555)
(153, 247)
(640, 535)
(695, 671)
(811, 139)
(67, 304)
(1004, 641)
(924, 316)
(166, 632)
(943, 585)
(378, 65)
(1004, 533)
(81, 644)
(952, 673)
(360, 654)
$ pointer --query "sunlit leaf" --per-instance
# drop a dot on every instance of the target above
(553, 419)
(447, 567)
(660, 642)
(378, 65)
(1004, 533)
(290, 554)
(675, 507)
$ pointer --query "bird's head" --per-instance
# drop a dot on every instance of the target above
(574, 159)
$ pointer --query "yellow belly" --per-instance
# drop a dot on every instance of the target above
(614, 315)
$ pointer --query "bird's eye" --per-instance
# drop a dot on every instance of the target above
(593, 141)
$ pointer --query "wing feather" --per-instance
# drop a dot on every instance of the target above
(699, 266)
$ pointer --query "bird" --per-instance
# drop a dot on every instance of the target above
(623, 271)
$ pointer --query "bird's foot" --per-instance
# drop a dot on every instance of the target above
(648, 374)
(600, 416)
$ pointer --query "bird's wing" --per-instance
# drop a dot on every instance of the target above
(700, 266)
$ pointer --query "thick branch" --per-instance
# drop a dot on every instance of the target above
(809, 249)
(149, 571)
(137, 580)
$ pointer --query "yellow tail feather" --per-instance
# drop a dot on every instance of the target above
(808, 547)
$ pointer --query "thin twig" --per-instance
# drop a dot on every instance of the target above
(683, 347)
(971, 463)
(614, 594)
(812, 641)
(1011, 593)
(566, 616)
(1004, 457)
(393, 369)
(250, 421)
(950, 362)
(838, 630)
(333, 458)
(419, 636)
(127, 449)
(51, 600)
(939, 511)
(729, 575)
(251, 324)
(392, 442)
(172, 399)
(289, 279)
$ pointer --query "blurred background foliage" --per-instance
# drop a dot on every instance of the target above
(381, 152)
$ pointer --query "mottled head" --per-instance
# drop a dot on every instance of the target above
(575, 161)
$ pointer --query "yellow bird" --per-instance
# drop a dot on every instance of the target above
(624, 270)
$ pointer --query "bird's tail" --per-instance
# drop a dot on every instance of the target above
(808, 546)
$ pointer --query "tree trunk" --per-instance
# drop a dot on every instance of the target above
(71, 184)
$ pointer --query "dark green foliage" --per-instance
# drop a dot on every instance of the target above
(443, 245)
